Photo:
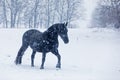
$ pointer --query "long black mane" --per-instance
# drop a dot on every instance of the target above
(43, 42)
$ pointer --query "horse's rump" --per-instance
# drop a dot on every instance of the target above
(33, 38)
(31, 35)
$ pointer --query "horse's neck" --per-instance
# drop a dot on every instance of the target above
(51, 34)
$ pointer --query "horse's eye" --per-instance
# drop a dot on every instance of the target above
(65, 30)
(62, 31)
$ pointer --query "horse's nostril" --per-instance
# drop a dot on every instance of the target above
(67, 41)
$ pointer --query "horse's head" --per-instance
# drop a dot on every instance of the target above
(62, 31)
(59, 29)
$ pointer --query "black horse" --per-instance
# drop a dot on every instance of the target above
(43, 42)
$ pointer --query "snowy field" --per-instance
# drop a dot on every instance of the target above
(92, 54)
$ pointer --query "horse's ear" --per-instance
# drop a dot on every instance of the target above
(66, 23)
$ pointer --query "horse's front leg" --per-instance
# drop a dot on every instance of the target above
(43, 60)
(56, 53)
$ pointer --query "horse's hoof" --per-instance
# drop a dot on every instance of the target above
(41, 67)
(16, 62)
(32, 65)
(58, 66)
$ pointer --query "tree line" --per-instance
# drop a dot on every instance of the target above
(38, 13)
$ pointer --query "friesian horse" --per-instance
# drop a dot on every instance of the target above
(44, 42)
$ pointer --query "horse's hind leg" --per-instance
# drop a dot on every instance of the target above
(32, 58)
(20, 54)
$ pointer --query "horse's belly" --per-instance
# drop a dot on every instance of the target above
(36, 46)
(42, 46)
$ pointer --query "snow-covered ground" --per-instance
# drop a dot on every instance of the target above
(92, 54)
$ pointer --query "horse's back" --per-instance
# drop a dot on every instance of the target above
(28, 35)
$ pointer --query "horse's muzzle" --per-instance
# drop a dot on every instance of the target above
(65, 38)
(66, 41)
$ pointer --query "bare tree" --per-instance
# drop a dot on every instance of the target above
(107, 13)
(35, 12)
(5, 13)
(38, 13)
(15, 7)
(68, 10)
(73, 12)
